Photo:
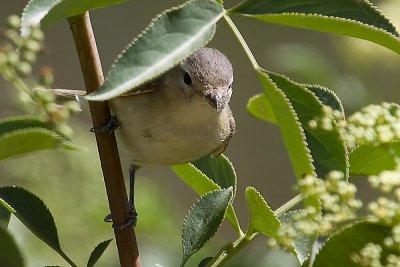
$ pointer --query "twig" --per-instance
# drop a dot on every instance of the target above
(107, 146)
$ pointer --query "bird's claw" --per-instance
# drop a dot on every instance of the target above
(109, 128)
(130, 221)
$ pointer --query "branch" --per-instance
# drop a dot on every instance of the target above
(107, 146)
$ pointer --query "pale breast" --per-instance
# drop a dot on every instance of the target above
(155, 134)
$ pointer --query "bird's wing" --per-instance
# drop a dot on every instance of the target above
(220, 149)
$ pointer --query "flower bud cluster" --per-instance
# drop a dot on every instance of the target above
(338, 204)
(17, 55)
(373, 124)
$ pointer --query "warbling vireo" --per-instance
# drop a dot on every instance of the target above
(179, 117)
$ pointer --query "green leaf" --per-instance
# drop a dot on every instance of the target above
(10, 255)
(98, 252)
(302, 244)
(260, 107)
(292, 133)
(203, 220)
(24, 141)
(262, 218)
(357, 18)
(219, 169)
(327, 146)
(169, 39)
(10, 124)
(371, 159)
(338, 249)
(5, 216)
(326, 96)
(34, 214)
(201, 184)
(50, 11)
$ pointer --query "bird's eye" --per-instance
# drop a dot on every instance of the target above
(230, 87)
(187, 79)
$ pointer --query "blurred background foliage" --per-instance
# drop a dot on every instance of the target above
(70, 183)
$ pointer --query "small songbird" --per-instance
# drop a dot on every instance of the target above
(177, 118)
(182, 115)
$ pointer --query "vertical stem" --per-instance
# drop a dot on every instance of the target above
(107, 146)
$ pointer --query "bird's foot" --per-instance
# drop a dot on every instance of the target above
(109, 128)
(130, 221)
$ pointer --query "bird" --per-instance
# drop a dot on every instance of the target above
(180, 116)
(176, 118)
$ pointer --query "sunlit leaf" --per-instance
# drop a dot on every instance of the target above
(326, 145)
(201, 184)
(371, 159)
(261, 108)
(262, 218)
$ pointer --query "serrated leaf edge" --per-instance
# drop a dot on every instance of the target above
(297, 121)
(105, 96)
(253, 189)
(338, 128)
(251, 100)
(26, 223)
(192, 207)
(25, 28)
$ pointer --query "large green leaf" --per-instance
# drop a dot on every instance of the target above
(260, 107)
(357, 18)
(219, 169)
(28, 140)
(169, 39)
(371, 159)
(302, 244)
(50, 11)
(98, 252)
(34, 214)
(203, 220)
(10, 255)
(338, 249)
(292, 133)
(262, 218)
(201, 184)
(327, 146)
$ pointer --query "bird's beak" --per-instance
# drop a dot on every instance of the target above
(214, 100)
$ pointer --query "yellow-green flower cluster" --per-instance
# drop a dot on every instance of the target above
(17, 55)
(386, 210)
(373, 124)
(371, 254)
(328, 119)
(338, 205)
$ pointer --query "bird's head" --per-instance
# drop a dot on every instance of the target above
(207, 75)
